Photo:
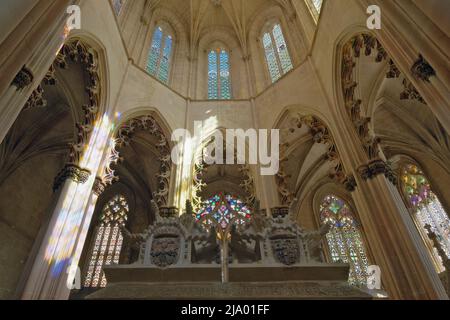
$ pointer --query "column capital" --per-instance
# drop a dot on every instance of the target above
(375, 168)
(72, 172)
(422, 70)
(23, 78)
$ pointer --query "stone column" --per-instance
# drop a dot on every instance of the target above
(407, 269)
(70, 216)
(420, 51)
(26, 55)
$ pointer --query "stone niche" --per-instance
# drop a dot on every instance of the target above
(272, 258)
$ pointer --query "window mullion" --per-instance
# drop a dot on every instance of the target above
(277, 57)
(160, 56)
(219, 84)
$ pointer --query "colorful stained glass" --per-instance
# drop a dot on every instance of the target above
(344, 238)
(108, 241)
(213, 83)
(276, 52)
(223, 209)
(159, 57)
(274, 70)
(225, 85)
(219, 83)
(427, 208)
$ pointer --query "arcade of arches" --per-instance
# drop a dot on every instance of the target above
(86, 117)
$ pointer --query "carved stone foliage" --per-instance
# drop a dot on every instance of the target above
(282, 180)
(99, 186)
(149, 124)
(321, 134)
(410, 92)
(351, 52)
(73, 173)
(248, 184)
(23, 78)
(36, 99)
(78, 52)
(109, 176)
(74, 51)
(422, 70)
(375, 168)
(198, 185)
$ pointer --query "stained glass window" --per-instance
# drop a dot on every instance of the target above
(159, 57)
(276, 52)
(315, 7)
(223, 209)
(427, 209)
(118, 4)
(219, 83)
(107, 242)
(344, 238)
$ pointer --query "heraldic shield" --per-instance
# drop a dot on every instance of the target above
(165, 250)
(285, 250)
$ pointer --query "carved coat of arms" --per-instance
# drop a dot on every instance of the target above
(165, 251)
(286, 250)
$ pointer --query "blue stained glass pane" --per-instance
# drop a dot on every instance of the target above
(225, 83)
(155, 50)
(272, 64)
(165, 60)
(282, 50)
(213, 90)
(317, 4)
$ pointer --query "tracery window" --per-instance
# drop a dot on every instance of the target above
(160, 54)
(223, 209)
(219, 83)
(427, 209)
(276, 52)
(107, 242)
(344, 238)
(315, 7)
(118, 5)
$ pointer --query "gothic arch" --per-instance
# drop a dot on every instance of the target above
(50, 134)
(237, 179)
(160, 146)
(308, 152)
